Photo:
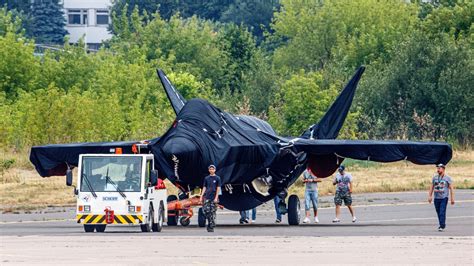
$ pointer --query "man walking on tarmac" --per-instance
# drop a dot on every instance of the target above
(442, 185)
(210, 197)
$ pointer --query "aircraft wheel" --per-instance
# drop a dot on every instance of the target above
(89, 228)
(100, 228)
(201, 218)
(172, 215)
(294, 210)
(156, 227)
(184, 221)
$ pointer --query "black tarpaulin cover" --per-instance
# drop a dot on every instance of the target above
(176, 99)
(204, 135)
(326, 155)
(330, 124)
(53, 159)
(418, 152)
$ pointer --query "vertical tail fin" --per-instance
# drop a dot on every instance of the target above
(176, 99)
(331, 123)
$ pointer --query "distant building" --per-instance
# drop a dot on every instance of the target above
(89, 19)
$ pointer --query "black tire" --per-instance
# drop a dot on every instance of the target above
(146, 227)
(89, 228)
(294, 210)
(184, 221)
(172, 215)
(201, 218)
(156, 227)
(100, 228)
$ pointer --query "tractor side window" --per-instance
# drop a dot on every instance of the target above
(147, 172)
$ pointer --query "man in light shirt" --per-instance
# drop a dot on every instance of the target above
(441, 185)
(310, 194)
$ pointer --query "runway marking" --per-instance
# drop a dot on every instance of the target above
(361, 206)
(416, 219)
(272, 211)
(42, 221)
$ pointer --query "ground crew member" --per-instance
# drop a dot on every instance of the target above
(343, 183)
(210, 197)
(441, 185)
(310, 194)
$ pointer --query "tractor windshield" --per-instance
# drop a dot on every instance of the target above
(109, 174)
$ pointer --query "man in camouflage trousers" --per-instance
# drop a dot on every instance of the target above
(210, 197)
(343, 183)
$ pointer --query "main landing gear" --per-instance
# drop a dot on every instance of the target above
(293, 209)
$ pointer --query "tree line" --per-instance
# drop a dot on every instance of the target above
(418, 83)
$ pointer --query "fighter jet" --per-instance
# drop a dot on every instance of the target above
(255, 163)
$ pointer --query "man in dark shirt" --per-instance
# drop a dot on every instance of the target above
(210, 197)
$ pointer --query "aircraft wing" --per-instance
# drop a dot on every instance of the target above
(53, 159)
(176, 99)
(324, 156)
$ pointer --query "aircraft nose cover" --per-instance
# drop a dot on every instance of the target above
(179, 147)
(181, 152)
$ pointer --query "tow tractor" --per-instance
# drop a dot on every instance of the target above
(119, 189)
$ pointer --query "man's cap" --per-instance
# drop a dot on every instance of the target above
(211, 166)
(441, 165)
(341, 167)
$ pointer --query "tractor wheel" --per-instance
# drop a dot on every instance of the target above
(149, 222)
(100, 228)
(159, 225)
(89, 228)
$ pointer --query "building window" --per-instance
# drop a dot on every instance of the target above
(77, 16)
(102, 17)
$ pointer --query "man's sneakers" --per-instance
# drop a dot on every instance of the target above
(306, 220)
(277, 221)
(253, 221)
(336, 220)
(440, 229)
(210, 230)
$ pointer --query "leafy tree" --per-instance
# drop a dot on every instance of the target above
(252, 13)
(9, 23)
(239, 46)
(455, 20)
(48, 22)
(257, 15)
(189, 45)
(300, 103)
(19, 5)
(427, 79)
(19, 67)
(349, 33)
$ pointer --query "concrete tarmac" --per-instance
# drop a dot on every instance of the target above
(391, 228)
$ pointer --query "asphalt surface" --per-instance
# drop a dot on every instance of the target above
(395, 228)
(380, 214)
